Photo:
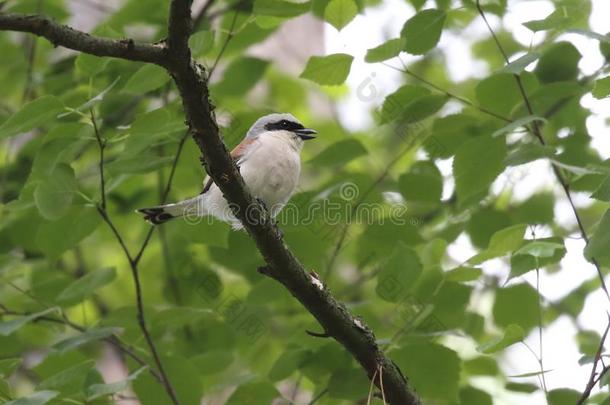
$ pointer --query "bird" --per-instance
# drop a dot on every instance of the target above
(268, 159)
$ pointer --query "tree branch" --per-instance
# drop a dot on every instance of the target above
(283, 266)
(63, 35)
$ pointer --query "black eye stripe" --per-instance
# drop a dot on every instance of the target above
(283, 125)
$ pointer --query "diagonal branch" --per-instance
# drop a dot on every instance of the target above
(282, 265)
(63, 35)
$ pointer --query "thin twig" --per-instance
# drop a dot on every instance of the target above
(535, 130)
(447, 92)
(224, 45)
(592, 380)
(133, 264)
(102, 146)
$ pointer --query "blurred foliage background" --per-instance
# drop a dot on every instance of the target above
(411, 222)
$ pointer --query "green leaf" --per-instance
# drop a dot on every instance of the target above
(8, 327)
(517, 66)
(348, 384)
(53, 196)
(100, 390)
(37, 398)
(93, 101)
(502, 242)
(395, 103)
(487, 91)
(602, 88)
(462, 274)
(279, 8)
(433, 369)
(563, 396)
(241, 76)
(149, 77)
(8, 366)
(422, 183)
(482, 365)
(476, 165)
(474, 396)
(556, 20)
(518, 123)
(88, 65)
(201, 43)
(52, 237)
(90, 335)
(86, 285)
(398, 276)
(70, 380)
(512, 334)
(385, 51)
(255, 393)
(287, 363)
(602, 193)
(33, 114)
(339, 153)
(598, 244)
(558, 63)
(529, 152)
(339, 13)
(328, 70)
(518, 305)
(536, 254)
(423, 31)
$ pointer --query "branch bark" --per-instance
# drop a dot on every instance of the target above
(63, 35)
(282, 265)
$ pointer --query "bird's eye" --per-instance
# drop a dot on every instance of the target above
(284, 123)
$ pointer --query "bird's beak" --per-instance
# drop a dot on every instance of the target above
(305, 133)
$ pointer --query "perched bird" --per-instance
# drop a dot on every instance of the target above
(269, 161)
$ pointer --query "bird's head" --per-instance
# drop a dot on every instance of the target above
(283, 124)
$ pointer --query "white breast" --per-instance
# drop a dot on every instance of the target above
(271, 170)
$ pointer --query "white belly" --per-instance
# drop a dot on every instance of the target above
(271, 172)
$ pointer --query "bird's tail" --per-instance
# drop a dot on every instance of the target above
(163, 213)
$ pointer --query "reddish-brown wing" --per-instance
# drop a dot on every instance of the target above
(237, 153)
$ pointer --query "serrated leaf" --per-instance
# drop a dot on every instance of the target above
(330, 70)
(517, 66)
(602, 193)
(86, 285)
(54, 194)
(33, 114)
(557, 19)
(90, 335)
(512, 334)
(69, 380)
(149, 77)
(423, 31)
(8, 327)
(422, 183)
(339, 13)
(385, 51)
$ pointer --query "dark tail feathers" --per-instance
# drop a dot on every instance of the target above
(155, 215)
